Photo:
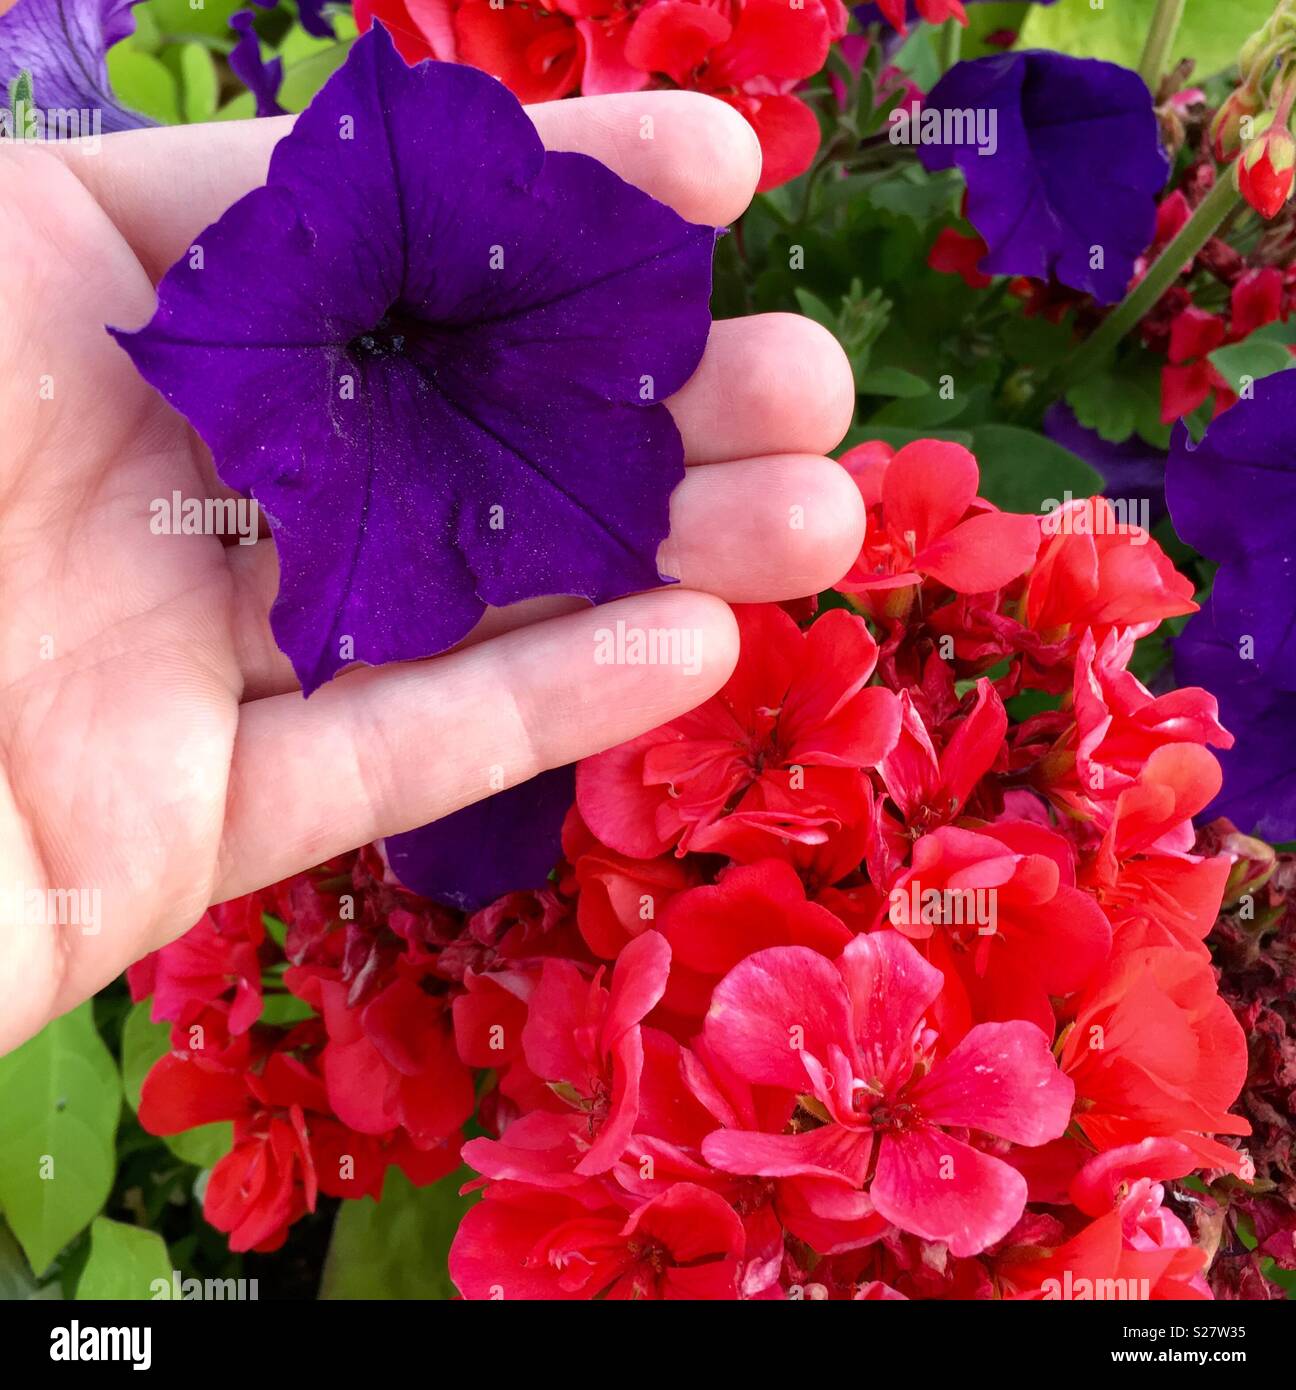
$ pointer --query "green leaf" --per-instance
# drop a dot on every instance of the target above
(814, 308)
(1242, 363)
(124, 1262)
(396, 1248)
(201, 85)
(917, 57)
(143, 1042)
(144, 83)
(61, 1097)
(1021, 470)
(238, 108)
(892, 381)
(16, 1281)
(1211, 34)
(280, 1009)
(187, 19)
(984, 20)
(897, 437)
(914, 194)
(298, 44)
(923, 413)
(1035, 342)
(1123, 400)
(302, 80)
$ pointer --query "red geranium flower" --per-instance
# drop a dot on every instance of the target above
(925, 521)
(851, 1037)
(1154, 1052)
(778, 756)
(751, 54)
(520, 1242)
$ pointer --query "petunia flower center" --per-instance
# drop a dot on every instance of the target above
(391, 336)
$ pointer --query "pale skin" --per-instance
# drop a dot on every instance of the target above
(154, 745)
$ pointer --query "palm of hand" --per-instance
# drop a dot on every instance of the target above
(155, 752)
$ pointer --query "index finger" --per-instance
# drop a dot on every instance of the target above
(163, 185)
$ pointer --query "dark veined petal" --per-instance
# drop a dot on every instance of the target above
(436, 355)
(62, 44)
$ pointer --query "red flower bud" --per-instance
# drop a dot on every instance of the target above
(1226, 135)
(1267, 169)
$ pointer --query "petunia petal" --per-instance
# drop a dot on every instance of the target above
(1076, 165)
(62, 44)
(508, 841)
(436, 356)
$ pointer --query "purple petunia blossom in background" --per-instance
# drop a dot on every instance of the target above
(436, 356)
(1233, 497)
(262, 79)
(1259, 792)
(62, 44)
(1132, 469)
(1065, 184)
(510, 841)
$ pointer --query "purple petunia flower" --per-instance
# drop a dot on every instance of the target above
(62, 44)
(436, 355)
(262, 79)
(1233, 497)
(1259, 792)
(1065, 169)
(1132, 470)
(510, 841)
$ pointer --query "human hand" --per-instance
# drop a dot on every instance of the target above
(157, 755)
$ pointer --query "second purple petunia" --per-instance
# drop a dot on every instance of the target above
(436, 355)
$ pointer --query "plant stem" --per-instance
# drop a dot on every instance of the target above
(1196, 232)
(1161, 34)
(951, 44)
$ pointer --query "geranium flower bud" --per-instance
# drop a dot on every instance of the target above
(1267, 170)
(1226, 129)
(1253, 866)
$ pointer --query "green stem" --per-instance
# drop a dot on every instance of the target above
(951, 44)
(1161, 34)
(1196, 232)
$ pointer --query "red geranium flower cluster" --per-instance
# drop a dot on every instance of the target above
(752, 54)
(851, 983)
(367, 1075)
(1260, 289)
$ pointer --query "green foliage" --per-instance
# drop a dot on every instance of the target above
(62, 1097)
(922, 198)
(1122, 400)
(144, 83)
(1240, 364)
(200, 83)
(182, 20)
(308, 64)
(1211, 33)
(1021, 471)
(124, 1261)
(396, 1248)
